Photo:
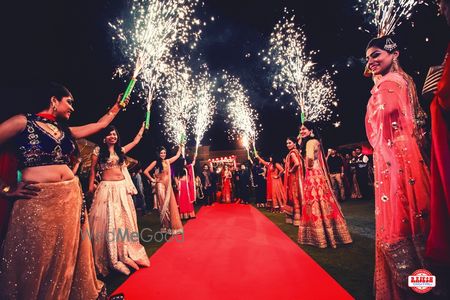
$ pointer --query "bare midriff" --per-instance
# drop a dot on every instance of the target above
(47, 174)
(113, 174)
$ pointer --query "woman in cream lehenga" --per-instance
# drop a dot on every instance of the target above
(112, 216)
(44, 256)
(168, 208)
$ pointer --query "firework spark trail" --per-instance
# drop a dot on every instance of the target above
(294, 71)
(242, 117)
(386, 15)
(205, 105)
(154, 28)
(179, 103)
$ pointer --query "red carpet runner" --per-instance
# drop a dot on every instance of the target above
(232, 252)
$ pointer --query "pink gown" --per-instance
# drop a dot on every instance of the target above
(402, 188)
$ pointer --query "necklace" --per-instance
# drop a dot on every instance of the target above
(54, 129)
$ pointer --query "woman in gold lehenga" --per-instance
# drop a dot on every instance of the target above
(44, 256)
(168, 208)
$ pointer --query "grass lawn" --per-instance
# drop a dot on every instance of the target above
(351, 265)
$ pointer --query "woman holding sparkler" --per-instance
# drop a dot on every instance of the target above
(112, 208)
(168, 208)
(44, 256)
(402, 186)
(278, 192)
(322, 222)
(293, 175)
(187, 192)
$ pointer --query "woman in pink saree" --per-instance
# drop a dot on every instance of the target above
(402, 187)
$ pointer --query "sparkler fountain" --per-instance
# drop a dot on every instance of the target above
(156, 28)
(294, 71)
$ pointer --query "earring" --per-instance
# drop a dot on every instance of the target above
(312, 134)
(54, 107)
(104, 141)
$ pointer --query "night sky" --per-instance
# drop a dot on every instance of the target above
(70, 42)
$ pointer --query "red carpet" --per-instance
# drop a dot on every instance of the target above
(232, 252)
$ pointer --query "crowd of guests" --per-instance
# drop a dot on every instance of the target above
(351, 175)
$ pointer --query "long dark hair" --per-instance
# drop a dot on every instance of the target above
(159, 161)
(293, 139)
(42, 93)
(104, 151)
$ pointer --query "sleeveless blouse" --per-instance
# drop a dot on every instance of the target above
(36, 147)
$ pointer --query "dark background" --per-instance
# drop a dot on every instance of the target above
(70, 42)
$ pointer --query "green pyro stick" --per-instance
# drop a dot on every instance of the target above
(128, 91)
(147, 120)
(302, 117)
(19, 176)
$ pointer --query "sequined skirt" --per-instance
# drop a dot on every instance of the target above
(44, 256)
(114, 229)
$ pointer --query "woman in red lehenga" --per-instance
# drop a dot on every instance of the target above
(278, 195)
(292, 180)
(269, 187)
(186, 192)
(8, 175)
(226, 185)
(438, 244)
(402, 186)
(322, 223)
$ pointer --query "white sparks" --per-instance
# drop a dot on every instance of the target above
(241, 115)
(386, 15)
(149, 34)
(294, 71)
(205, 104)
